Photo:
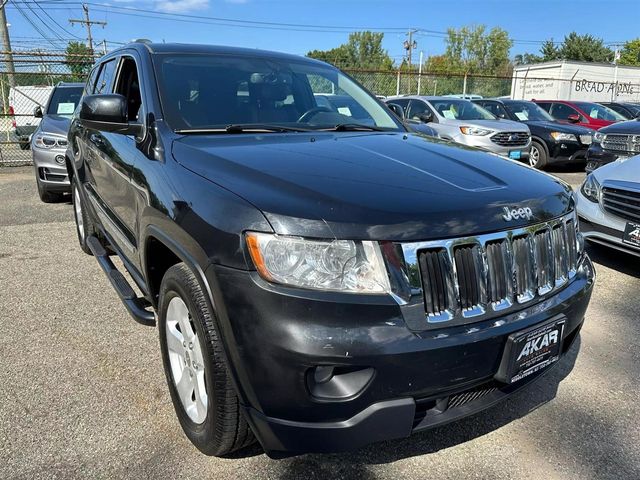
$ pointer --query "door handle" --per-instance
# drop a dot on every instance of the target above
(96, 140)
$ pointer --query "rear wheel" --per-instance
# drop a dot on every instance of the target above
(84, 225)
(538, 156)
(196, 369)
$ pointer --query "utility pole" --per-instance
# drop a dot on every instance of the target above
(409, 45)
(87, 23)
(6, 44)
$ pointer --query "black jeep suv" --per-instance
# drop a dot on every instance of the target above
(319, 281)
(552, 142)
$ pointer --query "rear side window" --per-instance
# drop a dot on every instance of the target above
(105, 77)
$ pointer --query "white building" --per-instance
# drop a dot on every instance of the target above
(566, 80)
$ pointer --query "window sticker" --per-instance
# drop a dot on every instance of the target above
(345, 111)
(522, 116)
(449, 114)
(66, 108)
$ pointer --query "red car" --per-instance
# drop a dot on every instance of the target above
(586, 114)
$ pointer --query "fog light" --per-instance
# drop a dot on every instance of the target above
(338, 382)
(60, 159)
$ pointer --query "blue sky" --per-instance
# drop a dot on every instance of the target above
(527, 21)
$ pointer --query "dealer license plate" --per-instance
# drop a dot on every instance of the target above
(631, 234)
(515, 154)
(530, 351)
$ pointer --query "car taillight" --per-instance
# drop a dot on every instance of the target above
(13, 119)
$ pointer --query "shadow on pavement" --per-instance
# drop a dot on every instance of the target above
(614, 259)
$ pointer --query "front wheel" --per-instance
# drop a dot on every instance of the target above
(196, 369)
(538, 156)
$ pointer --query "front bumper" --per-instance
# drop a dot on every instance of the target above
(51, 169)
(597, 157)
(599, 226)
(276, 337)
(567, 152)
(485, 143)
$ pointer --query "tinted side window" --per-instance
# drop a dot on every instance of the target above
(560, 111)
(495, 108)
(129, 87)
(105, 77)
(91, 81)
(403, 102)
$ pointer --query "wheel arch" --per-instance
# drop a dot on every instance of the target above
(540, 140)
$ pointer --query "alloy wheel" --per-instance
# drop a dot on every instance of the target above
(534, 156)
(186, 360)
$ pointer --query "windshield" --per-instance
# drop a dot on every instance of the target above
(212, 92)
(64, 101)
(525, 111)
(599, 111)
(461, 110)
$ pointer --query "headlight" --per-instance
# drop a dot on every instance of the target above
(598, 137)
(336, 265)
(591, 189)
(564, 137)
(475, 131)
(47, 141)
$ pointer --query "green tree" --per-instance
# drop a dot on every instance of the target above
(79, 59)
(363, 50)
(526, 59)
(630, 54)
(474, 50)
(549, 51)
(585, 48)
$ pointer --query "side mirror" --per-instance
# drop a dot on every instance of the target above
(37, 112)
(108, 113)
(425, 117)
(397, 109)
(573, 118)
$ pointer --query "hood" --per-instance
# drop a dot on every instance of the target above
(628, 127)
(499, 125)
(625, 171)
(560, 127)
(379, 186)
(55, 124)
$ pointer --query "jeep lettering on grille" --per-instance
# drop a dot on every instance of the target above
(517, 213)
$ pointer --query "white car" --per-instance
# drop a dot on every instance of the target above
(609, 206)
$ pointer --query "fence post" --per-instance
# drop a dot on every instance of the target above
(420, 72)
(464, 84)
(398, 83)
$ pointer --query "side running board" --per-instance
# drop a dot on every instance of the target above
(136, 306)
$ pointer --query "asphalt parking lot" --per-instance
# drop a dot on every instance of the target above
(83, 395)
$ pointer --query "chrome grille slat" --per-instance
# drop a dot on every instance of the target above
(467, 279)
(510, 139)
(620, 202)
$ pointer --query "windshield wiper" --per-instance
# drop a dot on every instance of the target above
(244, 128)
(354, 127)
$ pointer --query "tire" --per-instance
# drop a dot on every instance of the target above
(540, 158)
(84, 224)
(214, 422)
(45, 195)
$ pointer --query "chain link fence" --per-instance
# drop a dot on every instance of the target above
(26, 82)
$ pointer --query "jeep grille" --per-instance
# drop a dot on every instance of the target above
(469, 279)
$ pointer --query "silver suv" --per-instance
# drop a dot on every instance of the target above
(464, 122)
(49, 141)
